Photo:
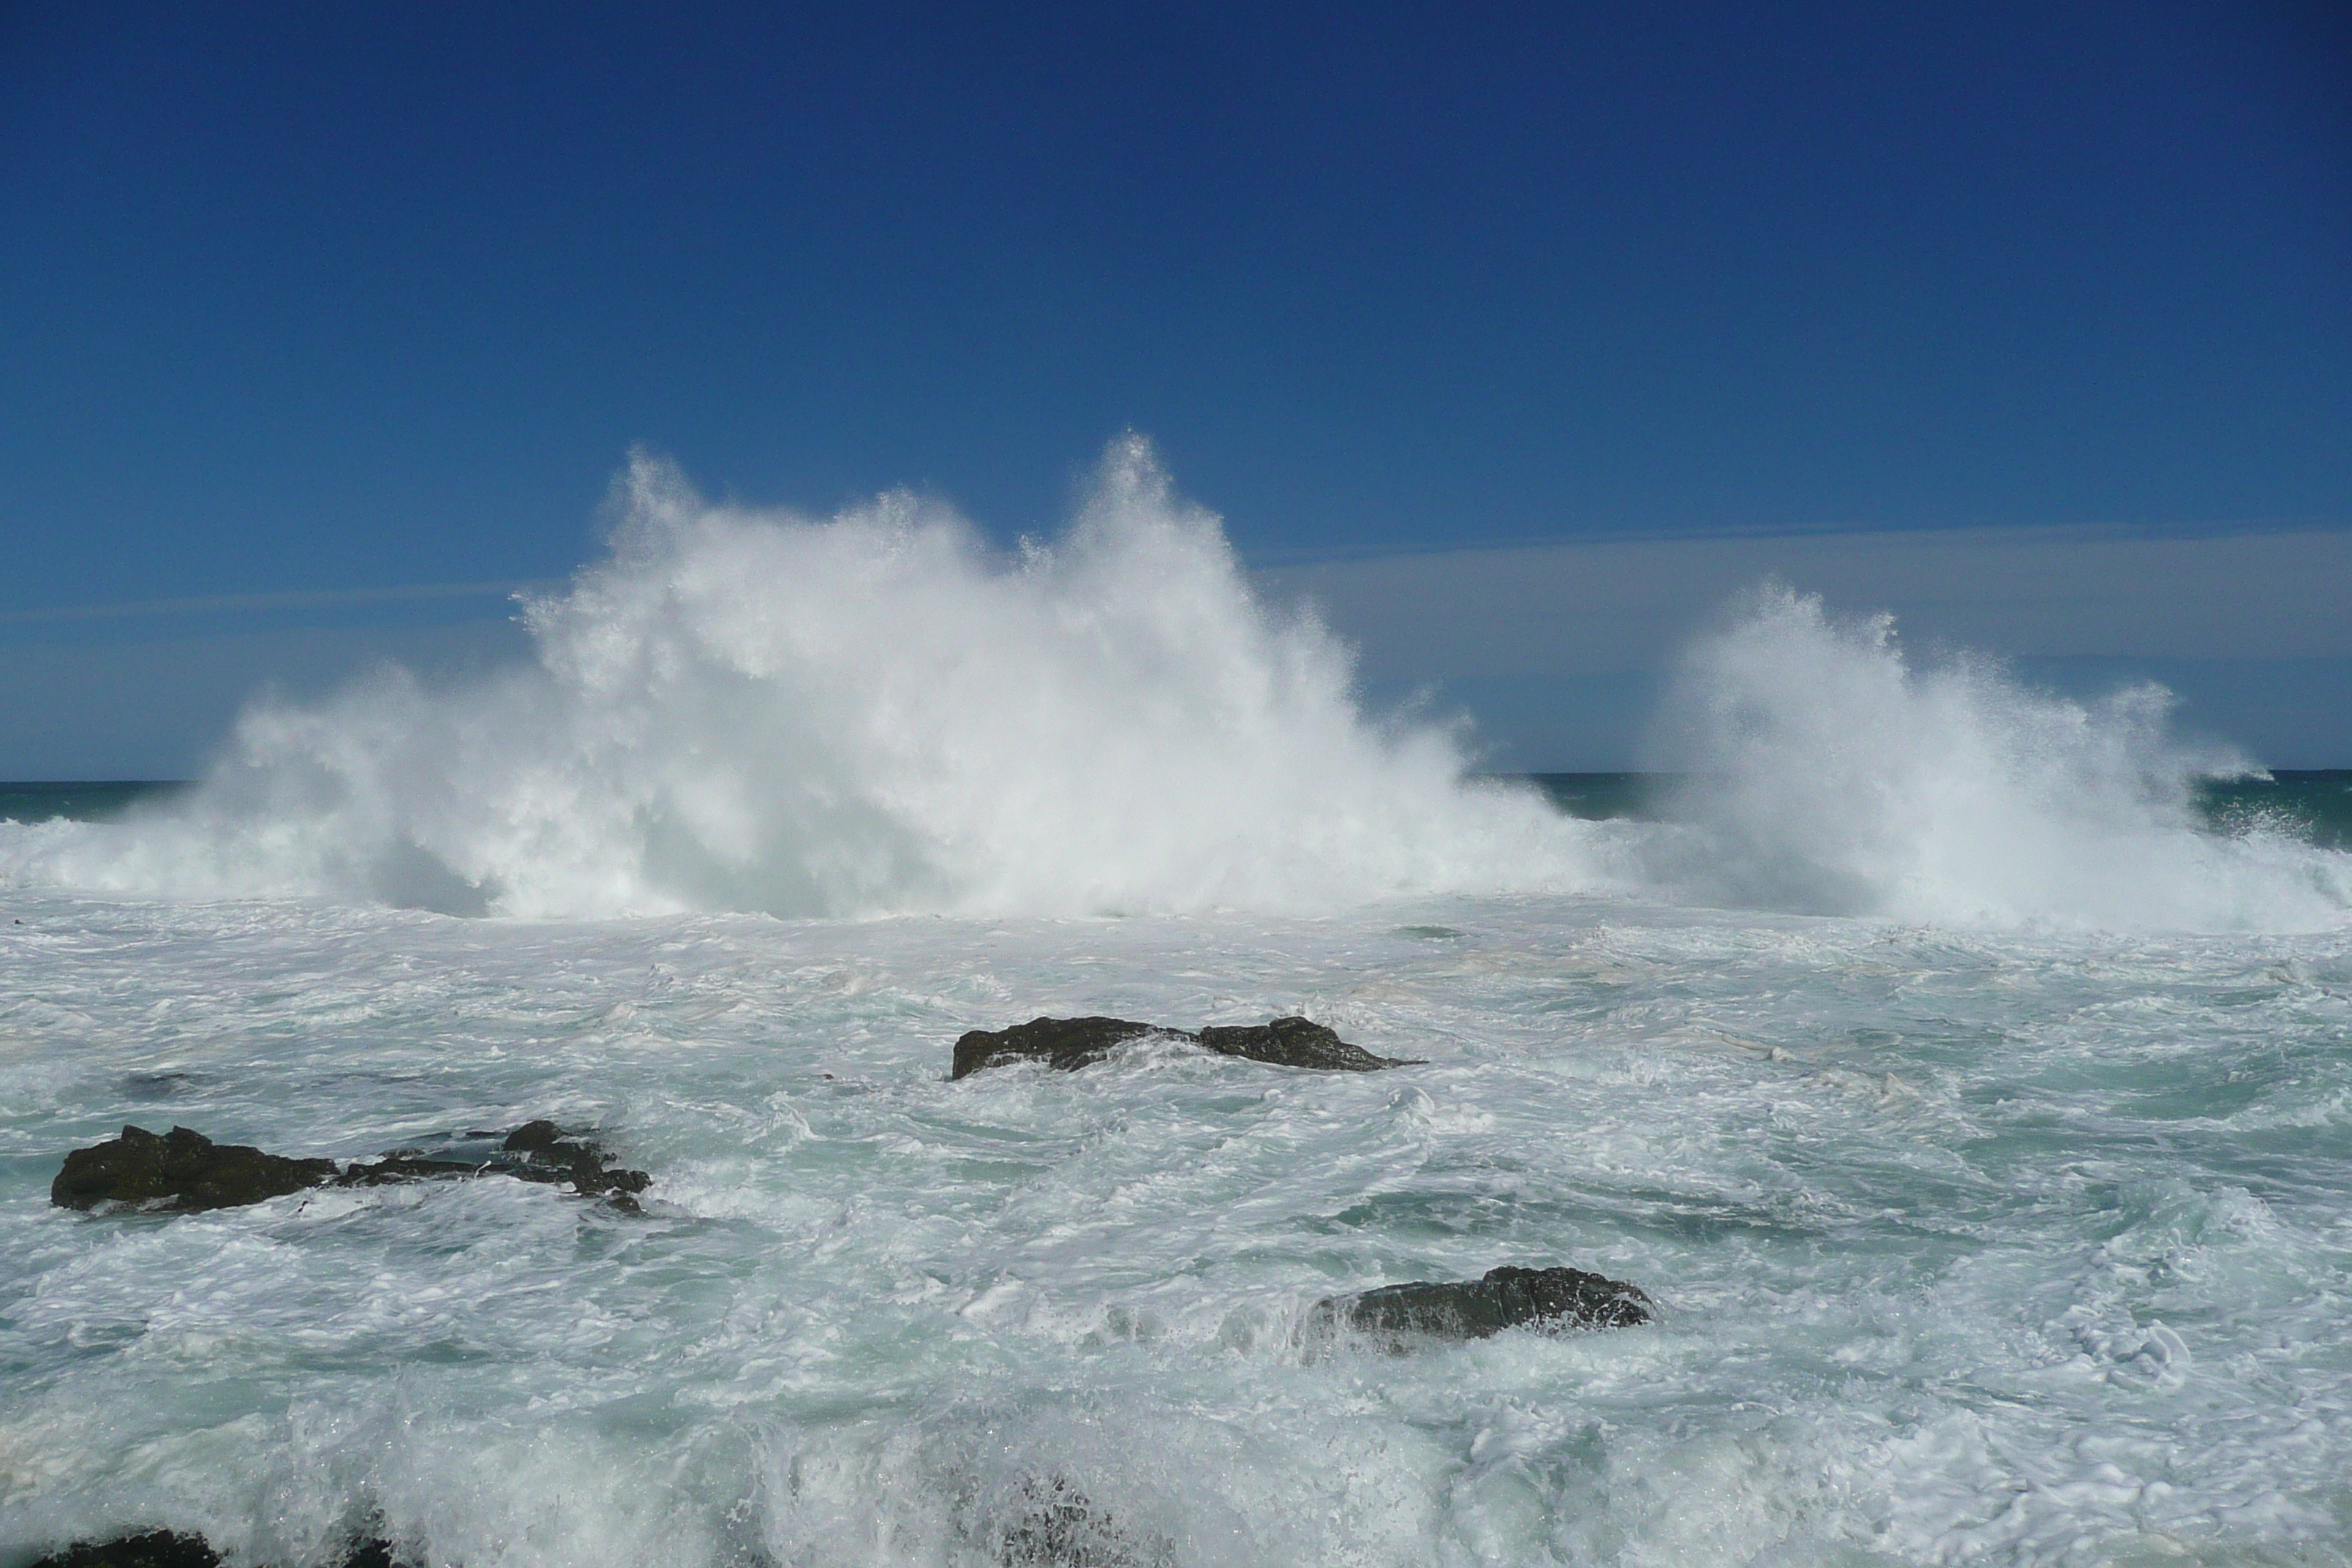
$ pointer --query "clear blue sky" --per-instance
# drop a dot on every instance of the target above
(304, 299)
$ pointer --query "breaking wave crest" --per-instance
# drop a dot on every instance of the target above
(742, 709)
(877, 714)
(1828, 771)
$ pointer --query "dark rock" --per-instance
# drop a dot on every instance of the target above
(1507, 1297)
(156, 1085)
(1296, 1043)
(169, 1548)
(179, 1172)
(533, 1135)
(185, 1171)
(1067, 1044)
(404, 1168)
(550, 1154)
(156, 1549)
(1063, 1044)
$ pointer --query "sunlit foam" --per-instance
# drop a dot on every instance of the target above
(1828, 771)
(742, 709)
(745, 710)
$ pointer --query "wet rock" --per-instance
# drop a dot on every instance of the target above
(1507, 1297)
(155, 1549)
(169, 1548)
(184, 1171)
(533, 1136)
(180, 1172)
(1067, 1044)
(1062, 1043)
(1296, 1043)
(404, 1168)
(548, 1153)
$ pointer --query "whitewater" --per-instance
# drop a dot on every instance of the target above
(1979, 1117)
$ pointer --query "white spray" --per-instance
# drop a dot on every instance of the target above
(875, 714)
(1829, 774)
(749, 711)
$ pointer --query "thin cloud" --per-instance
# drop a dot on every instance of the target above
(1626, 605)
(296, 599)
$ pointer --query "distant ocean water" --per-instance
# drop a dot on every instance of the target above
(1965, 1073)
(2312, 804)
(81, 800)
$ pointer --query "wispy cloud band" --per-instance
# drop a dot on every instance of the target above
(236, 604)
(2070, 592)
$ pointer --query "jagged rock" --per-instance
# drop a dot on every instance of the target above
(180, 1172)
(156, 1549)
(1067, 1044)
(404, 1168)
(1507, 1297)
(184, 1171)
(550, 1154)
(534, 1135)
(1296, 1043)
(169, 1548)
(1063, 1044)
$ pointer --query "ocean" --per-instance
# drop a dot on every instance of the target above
(1963, 1071)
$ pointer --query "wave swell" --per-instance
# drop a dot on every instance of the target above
(742, 709)
(877, 714)
(1829, 772)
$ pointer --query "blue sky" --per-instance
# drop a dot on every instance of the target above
(315, 319)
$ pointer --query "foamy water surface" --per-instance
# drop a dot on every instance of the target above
(1970, 1247)
(1980, 1119)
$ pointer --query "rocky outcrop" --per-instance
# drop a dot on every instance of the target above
(1507, 1297)
(169, 1548)
(1067, 1044)
(1296, 1043)
(183, 1172)
(155, 1549)
(1063, 1044)
(179, 1172)
(543, 1151)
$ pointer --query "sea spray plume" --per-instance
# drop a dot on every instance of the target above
(1829, 773)
(747, 710)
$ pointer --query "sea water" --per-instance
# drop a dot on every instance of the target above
(1966, 1083)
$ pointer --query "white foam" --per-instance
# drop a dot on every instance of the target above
(1831, 773)
(743, 709)
(2062, 1302)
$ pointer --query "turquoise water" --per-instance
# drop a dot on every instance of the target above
(2314, 803)
(1969, 1084)
(1970, 1246)
(86, 800)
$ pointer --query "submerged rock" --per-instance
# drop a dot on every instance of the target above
(404, 1168)
(1060, 1527)
(155, 1549)
(1067, 1044)
(1505, 1298)
(183, 1171)
(170, 1549)
(180, 1172)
